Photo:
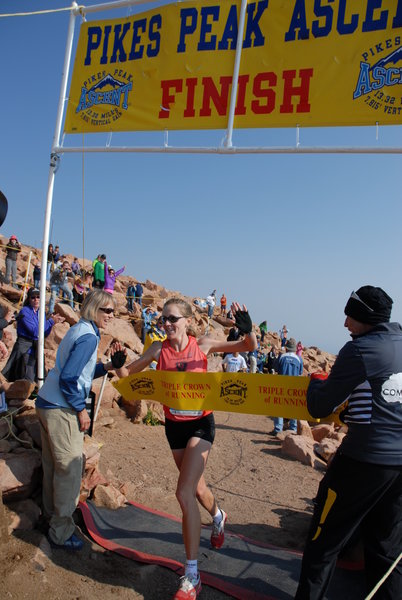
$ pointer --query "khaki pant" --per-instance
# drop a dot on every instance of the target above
(62, 444)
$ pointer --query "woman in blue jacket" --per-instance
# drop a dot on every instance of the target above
(63, 417)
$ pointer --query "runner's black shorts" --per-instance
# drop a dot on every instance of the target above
(178, 433)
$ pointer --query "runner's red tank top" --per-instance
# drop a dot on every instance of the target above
(190, 359)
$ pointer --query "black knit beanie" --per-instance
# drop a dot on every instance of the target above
(369, 305)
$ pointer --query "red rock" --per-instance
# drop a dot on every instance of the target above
(20, 473)
(321, 431)
(109, 497)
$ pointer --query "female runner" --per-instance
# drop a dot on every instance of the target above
(190, 433)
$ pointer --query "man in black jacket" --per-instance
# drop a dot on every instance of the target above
(362, 489)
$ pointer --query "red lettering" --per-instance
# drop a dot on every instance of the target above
(167, 98)
(302, 91)
(220, 100)
(262, 92)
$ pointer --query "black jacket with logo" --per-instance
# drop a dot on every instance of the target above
(368, 375)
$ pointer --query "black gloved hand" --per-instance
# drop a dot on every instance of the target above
(118, 359)
(243, 321)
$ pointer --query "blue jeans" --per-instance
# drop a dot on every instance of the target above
(54, 292)
(278, 424)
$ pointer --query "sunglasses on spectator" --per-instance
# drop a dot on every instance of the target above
(170, 318)
(356, 297)
(108, 311)
(34, 297)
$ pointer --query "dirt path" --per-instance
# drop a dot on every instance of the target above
(267, 496)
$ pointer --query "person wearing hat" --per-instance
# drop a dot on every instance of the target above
(22, 363)
(362, 489)
(12, 250)
(288, 364)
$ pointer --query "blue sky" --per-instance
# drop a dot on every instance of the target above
(290, 236)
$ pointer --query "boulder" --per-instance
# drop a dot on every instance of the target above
(109, 497)
(123, 331)
(71, 316)
(21, 389)
(328, 448)
(20, 474)
(24, 515)
(322, 431)
(57, 333)
(303, 428)
(301, 448)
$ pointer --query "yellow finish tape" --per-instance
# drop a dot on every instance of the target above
(250, 393)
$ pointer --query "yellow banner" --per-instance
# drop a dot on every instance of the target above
(303, 62)
(254, 394)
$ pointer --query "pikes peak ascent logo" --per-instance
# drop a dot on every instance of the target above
(105, 100)
(233, 392)
(379, 80)
(144, 386)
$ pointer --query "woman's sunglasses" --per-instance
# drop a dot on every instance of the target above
(108, 311)
(170, 318)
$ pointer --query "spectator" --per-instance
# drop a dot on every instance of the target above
(82, 285)
(59, 281)
(130, 296)
(12, 250)
(223, 305)
(263, 330)
(232, 363)
(362, 488)
(139, 290)
(110, 277)
(36, 274)
(56, 255)
(211, 301)
(63, 417)
(50, 261)
(99, 271)
(272, 361)
(155, 334)
(283, 334)
(76, 267)
(22, 363)
(288, 364)
(299, 349)
(147, 318)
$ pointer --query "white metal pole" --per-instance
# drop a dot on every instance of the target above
(235, 79)
(54, 161)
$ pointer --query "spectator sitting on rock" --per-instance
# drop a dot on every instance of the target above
(12, 250)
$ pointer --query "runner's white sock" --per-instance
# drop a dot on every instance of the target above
(218, 516)
(191, 569)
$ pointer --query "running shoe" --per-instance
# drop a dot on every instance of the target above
(189, 588)
(218, 532)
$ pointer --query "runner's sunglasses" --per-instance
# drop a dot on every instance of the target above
(170, 318)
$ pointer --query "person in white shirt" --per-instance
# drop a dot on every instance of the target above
(232, 363)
